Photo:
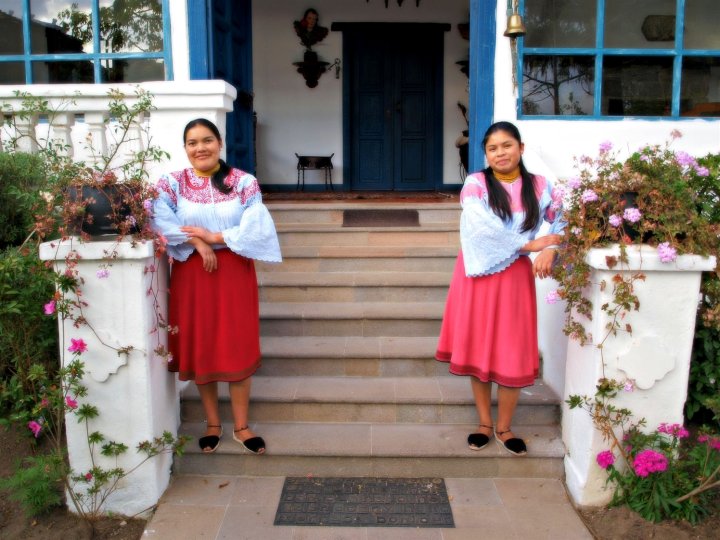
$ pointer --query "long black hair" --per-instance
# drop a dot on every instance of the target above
(498, 197)
(218, 179)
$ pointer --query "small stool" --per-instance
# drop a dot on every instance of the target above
(314, 163)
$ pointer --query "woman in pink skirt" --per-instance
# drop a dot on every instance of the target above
(489, 329)
(215, 225)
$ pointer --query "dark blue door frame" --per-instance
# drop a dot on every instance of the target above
(482, 76)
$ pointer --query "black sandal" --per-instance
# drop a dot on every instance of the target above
(478, 441)
(514, 445)
(209, 443)
(256, 445)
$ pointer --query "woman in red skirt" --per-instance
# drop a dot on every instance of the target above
(489, 329)
(215, 224)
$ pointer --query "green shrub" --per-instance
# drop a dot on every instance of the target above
(37, 483)
(21, 181)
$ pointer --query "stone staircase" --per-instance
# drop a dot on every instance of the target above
(348, 385)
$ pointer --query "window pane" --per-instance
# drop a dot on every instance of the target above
(131, 26)
(79, 71)
(637, 85)
(11, 36)
(560, 23)
(12, 73)
(640, 24)
(558, 85)
(132, 71)
(702, 20)
(700, 91)
(63, 26)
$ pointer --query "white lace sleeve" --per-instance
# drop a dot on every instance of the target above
(487, 245)
(255, 237)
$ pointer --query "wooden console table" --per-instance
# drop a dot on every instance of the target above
(314, 163)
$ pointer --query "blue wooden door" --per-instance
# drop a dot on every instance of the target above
(221, 48)
(393, 92)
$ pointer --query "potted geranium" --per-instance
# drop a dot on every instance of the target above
(641, 230)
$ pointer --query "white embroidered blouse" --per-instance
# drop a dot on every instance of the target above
(244, 221)
(489, 244)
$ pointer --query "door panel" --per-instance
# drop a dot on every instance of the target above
(395, 113)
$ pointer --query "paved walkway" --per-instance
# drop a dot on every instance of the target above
(235, 507)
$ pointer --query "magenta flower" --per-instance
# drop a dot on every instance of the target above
(615, 220)
(102, 273)
(552, 297)
(35, 427)
(77, 346)
(632, 215)
(44, 402)
(685, 159)
(649, 461)
(70, 402)
(703, 438)
(629, 386)
(589, 196)
(666, 252)
(49, 308)
(605, 146)
(702, 171)
(674, 430)
(88, 476)
(574, 182)
(715, 444)
(605, 459)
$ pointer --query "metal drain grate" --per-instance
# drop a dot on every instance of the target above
(365, 502)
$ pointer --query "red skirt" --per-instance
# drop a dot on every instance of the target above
(217, 316)
(489, 329)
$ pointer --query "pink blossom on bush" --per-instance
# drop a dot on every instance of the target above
(552, 297)
(102, 273)
(605, 146)
(88, 476)
(589, 196)
(44, 402)
(629, 386)
(649, 461)
(632, 215)
(675, 430)
(666, 252)
(685, 159)
(574, 182)
(77, 345)
(49, 308)
(615, 220)
(702, 171)
(35, 427)
(605, 459)
(70, 402)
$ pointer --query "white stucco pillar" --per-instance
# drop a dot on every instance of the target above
(656, 357)
(134, 393)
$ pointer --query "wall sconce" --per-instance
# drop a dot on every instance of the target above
(515, 27)
(311, 68)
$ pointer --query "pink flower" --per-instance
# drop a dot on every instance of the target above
(49, 308)
(676, 134)
(685, 159)
(35, 428)
(552, 297)
(102, 273)
(589, 196)
(88, 476)
(644, 158)
(77, 345)
(70, 402)
(703, 438)
(605, 459)
(147, 205)
(615, 220)
(649, 461)
(666, 252)
(674, 430)
(702, 171)
(44, 402)
(632, 215)
(629, 386)
(715, 444)
(574, 182)
(605, 146)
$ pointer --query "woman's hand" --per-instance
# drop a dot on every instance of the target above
(206, 252)
(543, 263)
(203, 234)
(541, 243)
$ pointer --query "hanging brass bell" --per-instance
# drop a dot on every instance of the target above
(515, 26)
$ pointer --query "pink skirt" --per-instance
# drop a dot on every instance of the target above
(489, 328)
(217, 316)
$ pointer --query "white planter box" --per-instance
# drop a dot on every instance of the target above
(656, 356)
(134, 393)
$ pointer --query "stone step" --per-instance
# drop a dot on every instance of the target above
(351, 319)
(331, 212)
(331, 235)
(352, 356)
(444, 399)
(353, 286)
(368, 449)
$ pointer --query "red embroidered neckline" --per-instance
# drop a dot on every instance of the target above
(190, 181)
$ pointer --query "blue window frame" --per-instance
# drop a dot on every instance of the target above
(84, 41)
(619, 58)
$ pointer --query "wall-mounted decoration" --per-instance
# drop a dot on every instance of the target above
(400, 2)
(659, 28)
(311, 68)
(309, 30)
